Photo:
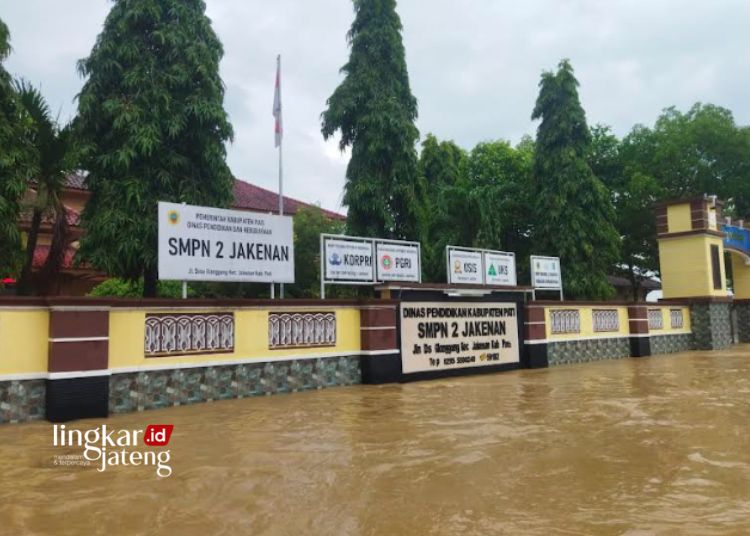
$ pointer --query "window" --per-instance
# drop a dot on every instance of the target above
(565, 320)
(655, 319)
(716, 267)
(606, 320)
(676, 319)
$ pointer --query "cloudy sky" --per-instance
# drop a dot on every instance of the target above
(474, 67)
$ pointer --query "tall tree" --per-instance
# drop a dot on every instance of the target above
(154, 128)
(633, 195)
(694, 152)
(18, 162)
(54, 146)
(573, 212)
(500, 175)
(374, 110)
(443, 206)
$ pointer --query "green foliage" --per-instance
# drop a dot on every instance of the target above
(633, 195)
(441, 164)
(573, 214)
(500, 177)
(309, 223)
(683, 155)
(374, 110)
(445, 211)
(153, 126)
(475, 200)
(122, 288)
(689, 154)
(18, 162)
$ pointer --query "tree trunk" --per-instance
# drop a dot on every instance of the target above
(149, 282)
(50, 273)
(24, 283)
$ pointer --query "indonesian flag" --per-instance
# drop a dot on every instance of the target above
(278, 128)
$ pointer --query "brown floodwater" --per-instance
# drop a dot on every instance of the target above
(633, 447)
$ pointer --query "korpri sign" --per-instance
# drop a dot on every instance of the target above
(454, 335)
(211, 244)
(464, 267)
(397, 262)
(545, 272)
(348, 260)
(499, 268)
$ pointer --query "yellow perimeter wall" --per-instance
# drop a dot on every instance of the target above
(587, 322)
(24, 338)
(667, 322)
(127, 329)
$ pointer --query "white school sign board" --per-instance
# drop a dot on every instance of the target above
(499, 268)
(454, 335)
(212, 244)
(464, 267)
(545, 272)
(348, 260)
(397, 262)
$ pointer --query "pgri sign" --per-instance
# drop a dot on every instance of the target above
(397, 262)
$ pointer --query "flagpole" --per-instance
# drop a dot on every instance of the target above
(281, 168)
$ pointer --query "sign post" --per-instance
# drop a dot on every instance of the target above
(546, 274)
(444, 336)
(499, 268)
(464, 266)
(354, 260)
(210, 244)
(475, 266)
(398, 261)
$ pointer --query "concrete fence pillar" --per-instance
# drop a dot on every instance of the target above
(535, 337)
(640, 340)
(380, 359)
(78, 362)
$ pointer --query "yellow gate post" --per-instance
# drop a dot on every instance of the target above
(691, 259)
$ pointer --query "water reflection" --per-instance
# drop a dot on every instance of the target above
(632, 447)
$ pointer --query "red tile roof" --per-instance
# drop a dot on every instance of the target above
(246, 197)
(251, 197)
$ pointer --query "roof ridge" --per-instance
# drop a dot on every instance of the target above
(76, 181)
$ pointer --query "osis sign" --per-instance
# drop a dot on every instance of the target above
(464, 267)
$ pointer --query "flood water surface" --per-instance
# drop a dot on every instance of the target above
(633, 447)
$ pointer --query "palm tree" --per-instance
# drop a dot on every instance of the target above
(56, 158)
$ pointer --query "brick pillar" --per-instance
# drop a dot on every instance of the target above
(535, 337)
(640, 339)
(78, 384)
(381, 358)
